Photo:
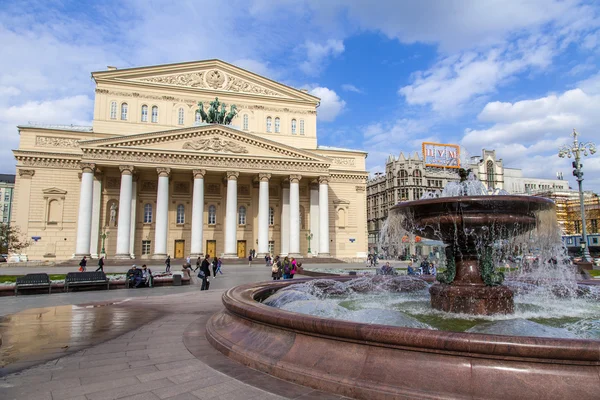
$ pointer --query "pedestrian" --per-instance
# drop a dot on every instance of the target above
(100, 265)
(204, 273)
(147, 276)
(219, 263)
(189, 260)
(276, 269)
(83, 264)
(286, 267)
(250, 259)
(215, 267)
(267, 260)
(168, 263)
(198, 262)
(294, 268)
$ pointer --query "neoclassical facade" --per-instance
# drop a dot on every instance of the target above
(149, 179)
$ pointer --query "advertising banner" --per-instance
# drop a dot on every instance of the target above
(441, 155)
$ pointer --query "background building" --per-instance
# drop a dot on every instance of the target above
(157, 180)
(408, 178)
(7, 186)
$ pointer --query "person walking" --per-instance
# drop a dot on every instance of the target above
(294, 268)
(100, 265)
(188, 260)
(83, 264)
(215, 267)
(198, 262)
(276, 269)
(286, 268)
(204, 273)
(219, 263)
(250, 259)
(168, 264)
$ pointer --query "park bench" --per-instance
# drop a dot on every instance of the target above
(85, 279)
(33, 281)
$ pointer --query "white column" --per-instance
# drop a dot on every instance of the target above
(324, 217)
(124, 221)
(133, 215)
(263, 214)
(295, 215)
(162, 214)
(285, 219)
(84, 221)
(96, 205)
(198, 213)
(231, 215)
(314, 218)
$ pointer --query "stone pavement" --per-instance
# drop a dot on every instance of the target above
(162, 355)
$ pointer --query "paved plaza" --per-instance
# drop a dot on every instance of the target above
(128, 344)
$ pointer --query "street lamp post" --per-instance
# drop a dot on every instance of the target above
(575, 150)
(103, 236)
(309, 236)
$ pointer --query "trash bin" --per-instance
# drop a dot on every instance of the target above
(176, 280)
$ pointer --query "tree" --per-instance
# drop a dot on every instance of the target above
(11, 239)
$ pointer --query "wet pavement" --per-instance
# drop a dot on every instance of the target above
(128, 344)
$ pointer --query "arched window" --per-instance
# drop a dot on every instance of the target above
(268, 124)
(341, 217)
(302, 218)
(144, 113)
(113, 110)
(180, 214)
(53, 212)
(490, 175)
(417, 173)
(148, 213)
(277, 123)
(198, 117)
(242, 215)
(155, 114)
(124, 111)
(302, 127)
(245, 127)
(212, 215)
(181, 115)
(271, 216)
(293, 127)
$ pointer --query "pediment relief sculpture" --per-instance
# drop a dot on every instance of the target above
(213, 79)
(215, 144)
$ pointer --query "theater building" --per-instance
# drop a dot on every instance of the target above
(149, 178)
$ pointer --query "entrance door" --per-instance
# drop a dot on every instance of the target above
(211, 248)
(241, 248)
(179, 248)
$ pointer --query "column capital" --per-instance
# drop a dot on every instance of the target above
(87, 167)
(232, 175)
(263, 177)
(163, 171)
(295, 178)
(285, 184)
(126, 169)
(26, 173)
(199, 173)
(324, 180)
(314, 184)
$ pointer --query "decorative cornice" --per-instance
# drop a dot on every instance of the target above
(87, 167)
(163, 171)
(203, 160)
(26, 173)
(295, 178)
(126, 169)
(356, 178)
(262, 177)
(193, 100)
(232, 175)
(199, 173)
(47, 160)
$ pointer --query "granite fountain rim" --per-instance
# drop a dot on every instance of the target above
(243, 301)
(473, 199)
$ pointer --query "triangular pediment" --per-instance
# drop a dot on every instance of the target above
(206, 139)
(54, 191)
(213, 76)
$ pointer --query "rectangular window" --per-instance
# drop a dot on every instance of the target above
(594, 240)
(145, 247)
(302, 127)
(154, 114)
(577, 226)
(113, 110)
(594, 225)
(144, 113)
(271, 247)
(6, 196)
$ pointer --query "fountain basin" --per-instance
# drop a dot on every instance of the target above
(369, 361)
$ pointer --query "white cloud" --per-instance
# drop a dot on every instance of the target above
(331, 104)
(317, 54)
(348, 87)
(527, 133)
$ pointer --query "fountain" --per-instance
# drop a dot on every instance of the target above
(308, 331)
(469, 226)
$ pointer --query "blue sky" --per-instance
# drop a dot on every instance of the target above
(514, 76)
